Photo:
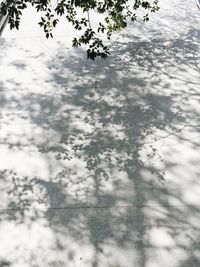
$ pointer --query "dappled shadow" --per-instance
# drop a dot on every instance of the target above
(120, 196)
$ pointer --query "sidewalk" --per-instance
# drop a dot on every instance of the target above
(100, 161)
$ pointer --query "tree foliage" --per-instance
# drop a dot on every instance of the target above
(117, 14)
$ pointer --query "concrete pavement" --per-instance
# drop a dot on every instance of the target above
(100, 161)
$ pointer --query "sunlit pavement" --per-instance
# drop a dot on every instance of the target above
(100, 161)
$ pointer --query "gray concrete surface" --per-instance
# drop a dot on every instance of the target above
(100, 161)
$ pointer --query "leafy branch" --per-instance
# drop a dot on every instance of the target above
(117, 15)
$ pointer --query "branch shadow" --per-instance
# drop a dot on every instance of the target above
(111, 204)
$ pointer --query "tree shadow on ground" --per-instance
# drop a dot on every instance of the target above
(111, 204)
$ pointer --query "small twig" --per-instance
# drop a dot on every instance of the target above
(88, 14)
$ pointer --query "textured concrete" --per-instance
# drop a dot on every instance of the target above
(100, 161)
